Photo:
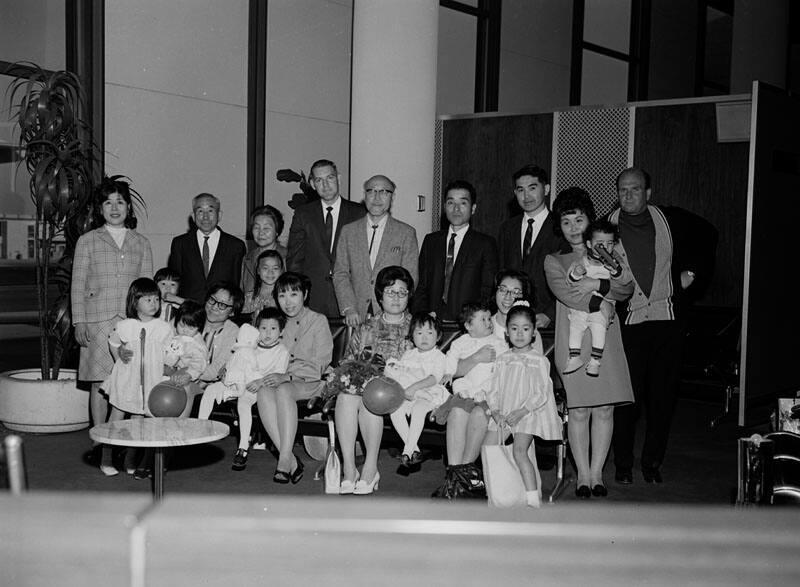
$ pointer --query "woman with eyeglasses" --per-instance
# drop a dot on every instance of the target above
(380, 338)
(466, 419)
(223, 301)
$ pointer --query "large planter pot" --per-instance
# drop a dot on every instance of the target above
(28, 404)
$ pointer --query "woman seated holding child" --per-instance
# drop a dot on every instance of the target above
(308, 339)
(223, 301)
(471, 359)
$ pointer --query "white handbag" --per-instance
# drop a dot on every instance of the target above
(504, 486)
(333, 469)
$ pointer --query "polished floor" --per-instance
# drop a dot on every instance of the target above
(700, 467)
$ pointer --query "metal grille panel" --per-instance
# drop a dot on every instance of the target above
(591, 148)
(436, 194)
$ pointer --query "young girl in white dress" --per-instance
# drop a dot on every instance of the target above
(419, 371)
(140, 331)
(521, 398)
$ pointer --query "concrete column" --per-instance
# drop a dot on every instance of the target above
(394, 101)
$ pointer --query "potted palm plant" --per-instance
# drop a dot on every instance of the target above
(56, 147)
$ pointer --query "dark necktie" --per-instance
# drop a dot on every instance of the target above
(329, 228)
(206, 256)
(448, 265)
(526, 242)
(372, 242)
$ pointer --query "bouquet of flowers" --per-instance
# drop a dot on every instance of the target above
(353, 374)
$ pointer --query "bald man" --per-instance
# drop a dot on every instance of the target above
(368, 245)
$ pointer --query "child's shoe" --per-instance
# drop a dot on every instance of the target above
(573, 364)
(142, 473)
(533, 499)
(239, 460)
(109, 470)
(593, 367)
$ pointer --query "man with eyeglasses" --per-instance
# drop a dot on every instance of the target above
(313, 235)
(457, 264)
(206, 255)
(526, 239)
(368, 245)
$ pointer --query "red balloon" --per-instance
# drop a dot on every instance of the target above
(383, 395)
(167, 400)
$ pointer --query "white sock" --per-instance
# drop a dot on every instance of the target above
(533, 499)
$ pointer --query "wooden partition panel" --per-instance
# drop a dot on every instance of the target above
(486, 151)
(770, 323)
(677, 145)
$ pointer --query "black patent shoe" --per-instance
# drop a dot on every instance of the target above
(624, 476)
(583, 492)
(239, 460)
(599, 490)
(281, 477)
(652, 476)
(297, 474)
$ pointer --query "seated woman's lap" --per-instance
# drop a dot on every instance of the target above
(299, 390)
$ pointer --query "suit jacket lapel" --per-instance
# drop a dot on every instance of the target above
(463, 250)
(317, 220)
(106, 237)
(218, 254)
(387, 240)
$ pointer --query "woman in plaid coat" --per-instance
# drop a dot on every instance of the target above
(107, 260)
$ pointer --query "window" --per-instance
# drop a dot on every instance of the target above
(609, 51)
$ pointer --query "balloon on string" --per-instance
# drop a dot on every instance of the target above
(167, 400)
(383, 395)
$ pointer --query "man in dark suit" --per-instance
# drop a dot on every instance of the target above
(525, 240)
(458, 264)
(206, 255)
(314, 233)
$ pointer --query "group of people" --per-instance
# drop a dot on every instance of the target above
(612, 288)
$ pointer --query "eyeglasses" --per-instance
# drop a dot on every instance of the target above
(398, 293)
(215, 303)
(382, 193)
(504, 291)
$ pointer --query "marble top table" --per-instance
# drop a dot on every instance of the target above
(159, 433)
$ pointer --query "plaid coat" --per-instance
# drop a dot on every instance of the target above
(102, 273)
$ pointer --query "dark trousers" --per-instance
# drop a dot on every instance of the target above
(654, 353)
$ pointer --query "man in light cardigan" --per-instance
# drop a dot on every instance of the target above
(671, 254)
(368, 245)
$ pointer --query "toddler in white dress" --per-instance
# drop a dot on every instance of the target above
(420, 371)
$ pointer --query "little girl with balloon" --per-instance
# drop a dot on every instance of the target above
(137, 346)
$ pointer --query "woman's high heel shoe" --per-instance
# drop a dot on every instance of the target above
(364, 488)
(347, 487)
(297, 474)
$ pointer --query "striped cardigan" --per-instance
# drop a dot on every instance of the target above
(684, 242)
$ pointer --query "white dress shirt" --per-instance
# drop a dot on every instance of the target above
(459, 239)
(376, 244)
(213, 243)
(335, 213)
(538, 222)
